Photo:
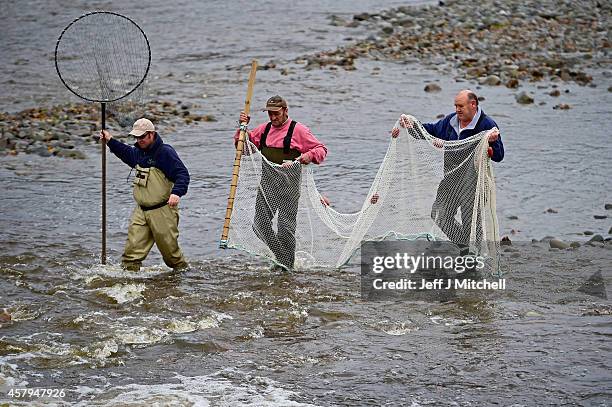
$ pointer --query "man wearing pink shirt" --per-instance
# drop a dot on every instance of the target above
(282, 141)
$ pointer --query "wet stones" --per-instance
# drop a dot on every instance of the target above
(495, 43)
(63, 130)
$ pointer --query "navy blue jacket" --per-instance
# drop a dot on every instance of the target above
(442, 129)
(159, 155)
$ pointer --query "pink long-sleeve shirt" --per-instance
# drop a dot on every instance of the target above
(302, 140)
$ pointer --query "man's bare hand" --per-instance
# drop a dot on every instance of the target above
(244, 118)
(494, 135)
(438, 143)
(405, 122)
(105, 134)
(173, 200)
(305, 158)
(374, 198)
(325, 200)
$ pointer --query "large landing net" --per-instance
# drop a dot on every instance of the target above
(425, 188)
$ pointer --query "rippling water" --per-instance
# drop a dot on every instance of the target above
(228, 332)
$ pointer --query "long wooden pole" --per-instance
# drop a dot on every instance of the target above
(239, 149)
(103, 254)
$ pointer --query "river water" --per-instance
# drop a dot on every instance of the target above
(230, 333)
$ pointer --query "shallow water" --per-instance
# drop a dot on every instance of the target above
(228, 332)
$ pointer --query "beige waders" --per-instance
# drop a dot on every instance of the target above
(152, 221)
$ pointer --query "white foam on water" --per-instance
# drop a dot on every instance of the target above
(197, 391)
(103, 350)
(438, 320)
(400, 328)
(123, 293)
(140, 335)
(115, 271)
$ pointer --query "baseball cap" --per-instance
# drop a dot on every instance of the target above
(275, 103)
(141, 126)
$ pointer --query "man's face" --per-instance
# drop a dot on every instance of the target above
(146, 140)
(466, 109)
(278, 118)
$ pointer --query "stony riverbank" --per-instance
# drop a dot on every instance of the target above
(492, 42)
(64, 130)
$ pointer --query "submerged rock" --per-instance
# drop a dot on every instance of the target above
(432, 87)
(5, 316)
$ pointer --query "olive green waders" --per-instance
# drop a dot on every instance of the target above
(152, 221)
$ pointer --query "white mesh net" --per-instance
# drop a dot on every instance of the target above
(425, 188)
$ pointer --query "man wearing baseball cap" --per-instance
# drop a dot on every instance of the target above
(160, 181)
(284, 142)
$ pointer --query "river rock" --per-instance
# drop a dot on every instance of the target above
(608, 206)
(512, 83)
(5, 316)
(70, 154)
(600, 216)
(596, 238)
(505, 241)
(558, 244)
(491, 80)
(432, 87)
(587, 232)
(555, 93)
(562, 106)
(575, 245)
(524, 99)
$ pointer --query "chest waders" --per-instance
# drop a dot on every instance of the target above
(279, 191)
(153, 221)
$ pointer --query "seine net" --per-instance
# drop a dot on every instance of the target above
(425, 188)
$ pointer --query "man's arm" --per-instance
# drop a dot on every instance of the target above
(127, 154)
(174, 169)
(306, 143)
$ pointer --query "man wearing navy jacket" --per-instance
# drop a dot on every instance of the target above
(160, 181)
(467, 120)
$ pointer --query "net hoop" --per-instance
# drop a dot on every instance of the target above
(102, 100)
